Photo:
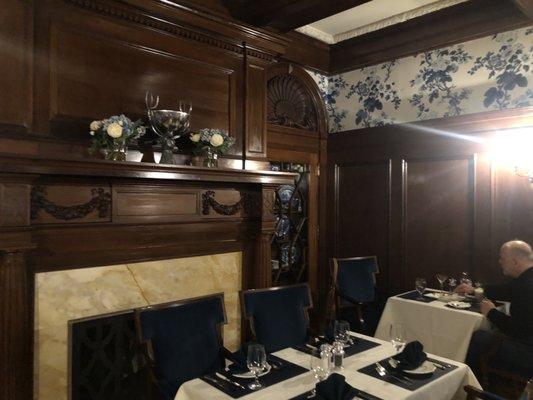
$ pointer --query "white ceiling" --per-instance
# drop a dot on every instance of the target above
(371, 16)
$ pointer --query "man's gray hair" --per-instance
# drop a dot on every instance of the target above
(520, 249)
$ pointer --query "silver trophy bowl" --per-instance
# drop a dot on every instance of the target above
(168, 125)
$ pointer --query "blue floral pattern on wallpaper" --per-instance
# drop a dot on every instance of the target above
(372, 92)
(491, 73)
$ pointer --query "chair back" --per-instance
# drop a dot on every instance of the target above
(278, 316)
(182, 339)
(354, 278)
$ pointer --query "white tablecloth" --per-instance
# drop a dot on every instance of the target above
(442, 330)
(447, 387)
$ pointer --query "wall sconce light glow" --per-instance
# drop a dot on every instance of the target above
(513, 149)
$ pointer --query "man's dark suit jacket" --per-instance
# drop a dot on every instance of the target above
(519, 292)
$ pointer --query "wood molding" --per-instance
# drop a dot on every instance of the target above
(459, 23)
(140, 17)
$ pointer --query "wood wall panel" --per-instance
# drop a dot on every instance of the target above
(256, 112)
(15, 69)
(451, 207)
(438, 218)
(363, 211)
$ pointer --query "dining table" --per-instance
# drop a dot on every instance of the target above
(444, 331)
(295, 379)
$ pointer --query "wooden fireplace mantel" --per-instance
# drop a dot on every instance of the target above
(58, 214)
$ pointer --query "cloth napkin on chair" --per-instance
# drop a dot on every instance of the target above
(412, 356)
(334, 388)
(238, 358)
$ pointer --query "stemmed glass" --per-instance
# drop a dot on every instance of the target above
(340, 332)
(420, 285)
(397, 336)
(452, 284)
(256, 362)
(441, 278)
(319, 367)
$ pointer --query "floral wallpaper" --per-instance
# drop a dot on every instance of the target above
(491, 73)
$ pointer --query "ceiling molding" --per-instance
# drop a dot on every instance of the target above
(459, 23)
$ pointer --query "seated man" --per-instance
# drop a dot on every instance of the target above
(516, 352)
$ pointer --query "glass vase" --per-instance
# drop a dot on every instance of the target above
(117, 151)
(210, 157)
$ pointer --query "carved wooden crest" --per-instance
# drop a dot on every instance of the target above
(289, 103)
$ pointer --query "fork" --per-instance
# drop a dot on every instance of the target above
(380, 369)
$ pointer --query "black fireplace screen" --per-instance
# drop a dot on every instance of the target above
(105, 360)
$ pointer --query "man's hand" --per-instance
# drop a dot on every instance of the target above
(485, 306)
(463, 288)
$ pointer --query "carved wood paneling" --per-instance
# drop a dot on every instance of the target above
(289, 103)
(53, 204)
(247, 204)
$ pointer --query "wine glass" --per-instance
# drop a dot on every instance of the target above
(256, 362)
(420, 285)
(441, 278)
(465, 278)
(340, 332)
(452, 284)
(319, 367)
(397, 336)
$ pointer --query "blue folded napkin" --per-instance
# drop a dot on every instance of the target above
(238, 358)
(335, 388)
(412, 356)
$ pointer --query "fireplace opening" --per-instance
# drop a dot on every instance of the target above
(105, 360)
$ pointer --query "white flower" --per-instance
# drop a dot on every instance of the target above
(216, 140)
(114, 130)
(91, 133)
(195, 138)
(95, 125)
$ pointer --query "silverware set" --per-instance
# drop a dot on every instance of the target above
(382, 371)
(222, 381)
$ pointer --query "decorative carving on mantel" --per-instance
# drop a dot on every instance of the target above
(138, 17)
(289, 103)
(100, 201)
(246, 203)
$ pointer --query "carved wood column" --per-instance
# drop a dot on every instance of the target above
(15, 291)
(263, 273)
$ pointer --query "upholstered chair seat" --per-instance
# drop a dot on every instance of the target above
(278, 316)
(182, 339)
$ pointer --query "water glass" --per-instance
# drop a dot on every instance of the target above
(465, 278)
(441, 278)
(340, 332)
(397, 336)
(256, 362)
(452, 284)
(318, 366)
(420, 285)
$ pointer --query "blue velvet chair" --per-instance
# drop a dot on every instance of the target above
(182, 340)
(473, 394)
(278, 316)
(353, 283)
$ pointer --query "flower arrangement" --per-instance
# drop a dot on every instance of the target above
(114, 134)
(218, 140)
(210, 143)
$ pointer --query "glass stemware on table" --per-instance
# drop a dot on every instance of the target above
(320, 366)
(452, 284)
(340, 332)
(397, 336)
(256, 363)
(441, 278)
(420, 285)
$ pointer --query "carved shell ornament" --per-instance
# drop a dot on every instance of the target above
(289, 104)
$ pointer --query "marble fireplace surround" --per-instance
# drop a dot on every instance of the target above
(65, 295)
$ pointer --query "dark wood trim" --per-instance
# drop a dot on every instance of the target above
(459, 23)
(103, 168)
(526, 6)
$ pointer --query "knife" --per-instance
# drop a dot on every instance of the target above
(219, 384)
(225, 378)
